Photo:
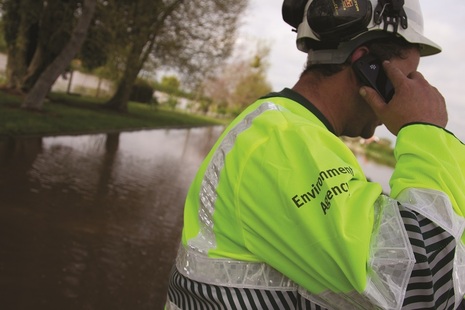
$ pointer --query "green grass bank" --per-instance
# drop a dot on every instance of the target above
(71, 114)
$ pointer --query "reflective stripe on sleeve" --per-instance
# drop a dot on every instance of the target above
(225, 272)
(391, 260)
(205, 239)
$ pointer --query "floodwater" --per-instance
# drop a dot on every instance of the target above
(94, 221)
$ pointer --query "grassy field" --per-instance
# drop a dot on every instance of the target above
(70, 114)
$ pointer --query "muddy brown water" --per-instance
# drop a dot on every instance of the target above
(94, 221)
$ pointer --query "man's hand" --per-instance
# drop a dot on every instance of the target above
(414, 101)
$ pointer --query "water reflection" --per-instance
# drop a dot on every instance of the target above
(93, 222)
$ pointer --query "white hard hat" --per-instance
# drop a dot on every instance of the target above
(329, 30)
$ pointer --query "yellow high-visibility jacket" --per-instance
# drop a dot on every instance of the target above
(281, 206)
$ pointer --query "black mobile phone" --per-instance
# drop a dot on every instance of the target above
(369, 70)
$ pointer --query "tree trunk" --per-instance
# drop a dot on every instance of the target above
(119, 101)
(16, 66)
(70, 82)
(99, 87)
(36, 97)
(39, 62)
(50, 41)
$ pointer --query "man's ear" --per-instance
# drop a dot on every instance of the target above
(358, 53)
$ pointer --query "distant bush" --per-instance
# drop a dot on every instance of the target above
(142, 92)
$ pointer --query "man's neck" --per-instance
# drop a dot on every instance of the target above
(330, 95)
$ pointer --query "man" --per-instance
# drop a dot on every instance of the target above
(280, 215)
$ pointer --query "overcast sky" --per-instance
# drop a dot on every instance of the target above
(443, 24)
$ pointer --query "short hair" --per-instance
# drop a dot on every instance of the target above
(384, 49)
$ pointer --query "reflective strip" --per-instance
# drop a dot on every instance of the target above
(205, 240)
(436, 206)
(188, 294)
(225, 272)
(171, 306)
(459, 272)
(391, 260)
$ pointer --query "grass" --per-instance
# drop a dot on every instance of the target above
(70, 114)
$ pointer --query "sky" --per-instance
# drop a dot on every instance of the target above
(443, 24)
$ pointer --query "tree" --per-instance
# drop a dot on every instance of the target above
(95, 50)
(249, 88)
(21, 19)
(127, 33)
(239, 82)
(170, 82)
(173, 33)
(35, 31)
(142, 21)
(197, 38)
(36, 96)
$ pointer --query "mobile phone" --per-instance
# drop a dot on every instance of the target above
(369, 70)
